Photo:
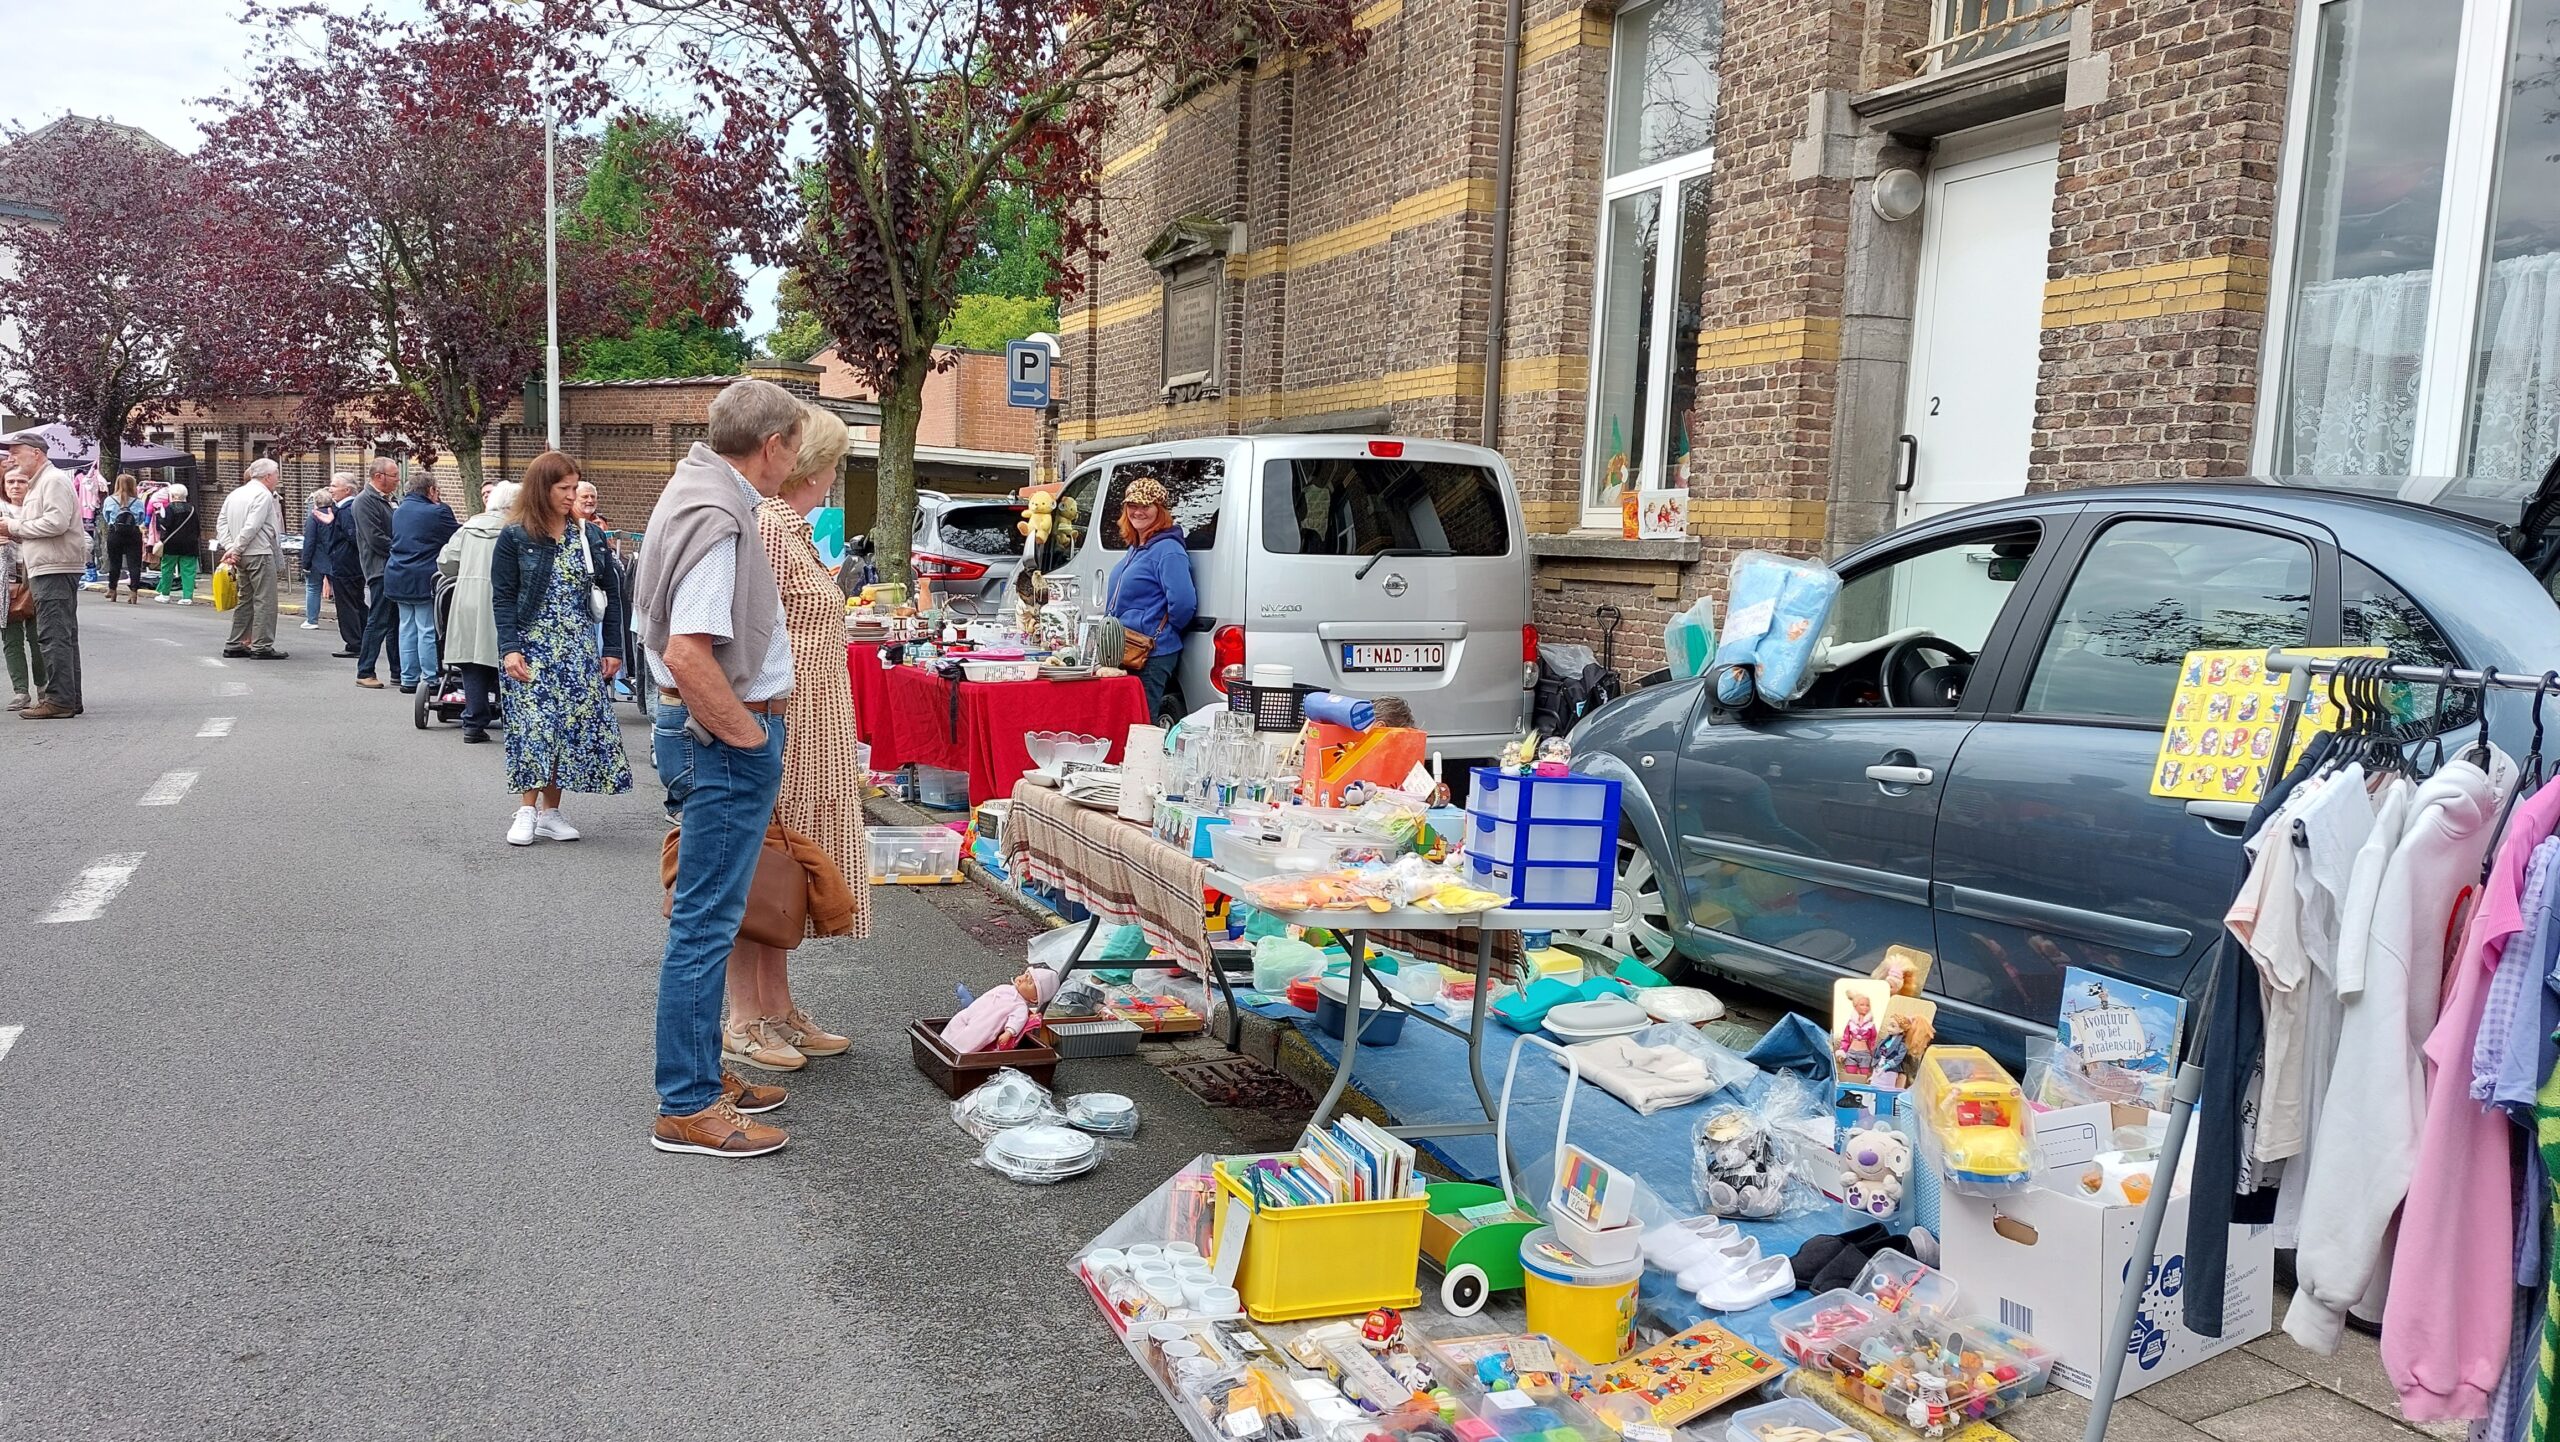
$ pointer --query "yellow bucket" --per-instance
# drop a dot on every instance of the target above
(1588, 1307)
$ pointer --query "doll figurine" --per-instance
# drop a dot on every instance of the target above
(1003, 1016)
(1893, 1052)
(1857, 1046)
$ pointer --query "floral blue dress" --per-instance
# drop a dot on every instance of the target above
(560, 726)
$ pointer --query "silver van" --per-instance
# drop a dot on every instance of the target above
(1369, 565)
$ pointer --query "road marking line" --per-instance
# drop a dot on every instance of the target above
(170, 789)
(98, 884)
(9, 1038)
(216, 726)
(211, 661)
(232, 688)
(168, 640)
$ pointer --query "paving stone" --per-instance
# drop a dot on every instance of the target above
(2223, 1384)
(2057, 1416)
(2307, 1412)
(2355, 1372)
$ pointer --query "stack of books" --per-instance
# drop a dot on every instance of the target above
(1351, 1161)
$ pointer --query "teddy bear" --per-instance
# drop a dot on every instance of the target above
(1878, 1159)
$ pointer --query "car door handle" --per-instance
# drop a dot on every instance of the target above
(1901, 775)
(2227, 818)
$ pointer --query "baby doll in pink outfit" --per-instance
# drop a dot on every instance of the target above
(1003, 1016)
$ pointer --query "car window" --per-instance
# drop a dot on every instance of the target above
(2375, 612)
(986, 529)
(2149, 592)
(1361, 505)
(1196, 483)
(1949, 591)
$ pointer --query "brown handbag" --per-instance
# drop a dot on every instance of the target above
(22, 601)
(777, 899)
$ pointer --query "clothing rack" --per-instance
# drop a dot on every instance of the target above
(2189, 1084)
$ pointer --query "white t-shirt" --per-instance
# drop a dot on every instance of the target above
(700, 607)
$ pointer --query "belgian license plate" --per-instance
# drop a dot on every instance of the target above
(1399, 656)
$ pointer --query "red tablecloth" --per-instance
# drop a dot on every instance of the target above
(870, 692)
(915, 723)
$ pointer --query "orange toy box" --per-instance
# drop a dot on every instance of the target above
(1336, 756)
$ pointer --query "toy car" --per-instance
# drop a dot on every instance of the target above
(1974, 1120)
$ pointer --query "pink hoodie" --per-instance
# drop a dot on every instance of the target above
(2447, 1324)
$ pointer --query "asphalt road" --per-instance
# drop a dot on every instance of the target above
(332, 1122)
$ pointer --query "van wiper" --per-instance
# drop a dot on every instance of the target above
(1376, 556)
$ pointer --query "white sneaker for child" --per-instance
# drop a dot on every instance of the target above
(1675, 1246)
(521, 833)
(550, 826)
(1719, 1263)
(1745, 1287)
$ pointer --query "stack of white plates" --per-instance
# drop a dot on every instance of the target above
(1097, 789)
(1104, 1113)
(1007, 1101)
(1042, 1154)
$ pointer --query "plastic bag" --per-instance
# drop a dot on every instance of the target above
(1002, 1102)
(1689, 639)
(1041, 1153)
(1748, 1161)
(226, 589)
(1105, 1114)
(1775, 609)
(1051, 949)
(1280, 960)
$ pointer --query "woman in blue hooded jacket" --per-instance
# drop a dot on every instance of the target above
(1150, 590)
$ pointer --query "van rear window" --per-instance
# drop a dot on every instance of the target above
(982, 530)
(1361, 505)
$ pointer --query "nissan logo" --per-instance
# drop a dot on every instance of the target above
(1395, 584)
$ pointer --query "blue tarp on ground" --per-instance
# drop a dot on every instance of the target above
(1423, 1079)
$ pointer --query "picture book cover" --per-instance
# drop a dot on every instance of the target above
(2118, 1040)
(2222, 723)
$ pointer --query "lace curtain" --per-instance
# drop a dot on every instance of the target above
(2351, 380)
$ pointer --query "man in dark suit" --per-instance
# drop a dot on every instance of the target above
(337, 560)
(368, 522)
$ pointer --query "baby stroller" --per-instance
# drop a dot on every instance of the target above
(440, 695)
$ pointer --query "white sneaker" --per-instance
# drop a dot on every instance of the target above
(161, 600)
(550, 826)
(183, 601)
(1746, 1287)
(1719, 1264)
(311, 625)
(521, 833)
(1677, 1246)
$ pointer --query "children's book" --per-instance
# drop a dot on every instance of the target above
(2118, 1040)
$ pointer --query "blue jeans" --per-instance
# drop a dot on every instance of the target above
(725, 798)
(311, 596)
(1157, 675)
(417, 641)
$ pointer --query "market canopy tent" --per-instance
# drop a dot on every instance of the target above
(67, 447)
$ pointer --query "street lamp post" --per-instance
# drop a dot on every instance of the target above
(550, 254)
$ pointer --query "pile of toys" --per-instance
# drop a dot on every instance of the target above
(1893, 1345)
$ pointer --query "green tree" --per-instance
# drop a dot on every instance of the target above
(1017, 246)
(624, 194)
(797, 333)
(986, 322)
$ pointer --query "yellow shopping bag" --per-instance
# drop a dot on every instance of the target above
(226, 589)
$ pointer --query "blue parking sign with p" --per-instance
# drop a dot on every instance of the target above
(1026, 374)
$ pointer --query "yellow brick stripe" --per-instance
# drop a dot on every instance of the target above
(2179, 287)
(1455, 199)
(1796, 338)
(1758, 519)
(1536, 375)
(1550, 38)
(1529, 374)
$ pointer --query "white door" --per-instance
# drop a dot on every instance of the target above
(1978, 327)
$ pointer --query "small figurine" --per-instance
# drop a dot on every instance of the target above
(1382, 1328)
(1555, 757)
(1893, 1051)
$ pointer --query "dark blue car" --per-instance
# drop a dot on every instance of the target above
(1971, 774)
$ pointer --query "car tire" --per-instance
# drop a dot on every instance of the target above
(1639, 923)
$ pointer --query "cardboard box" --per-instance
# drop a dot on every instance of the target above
(2051, 1263)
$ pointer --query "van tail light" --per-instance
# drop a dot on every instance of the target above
(931, 567)
(1386, 450)
(1528, 658)
(1226, 648)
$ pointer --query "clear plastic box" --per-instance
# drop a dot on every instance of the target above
(1931, 1375)
(941, 788)
(2037, 1356)
(1761, 1423)
(912, 854)
(1896, 1283)
(1807, 1329)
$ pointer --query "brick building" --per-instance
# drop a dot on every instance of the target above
(1831, 267)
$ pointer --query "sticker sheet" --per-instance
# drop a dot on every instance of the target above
(2222, 723)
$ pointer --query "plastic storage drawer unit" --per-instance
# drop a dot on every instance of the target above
(1549, 842)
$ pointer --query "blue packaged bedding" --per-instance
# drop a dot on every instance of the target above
(1775, 607)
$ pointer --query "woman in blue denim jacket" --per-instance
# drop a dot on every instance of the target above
(561, 733)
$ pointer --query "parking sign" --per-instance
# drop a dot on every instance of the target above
(1026, 374)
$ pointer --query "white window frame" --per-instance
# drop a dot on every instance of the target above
(1664, 176)
(2485, 31)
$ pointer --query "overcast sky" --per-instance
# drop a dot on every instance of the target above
(145, 63)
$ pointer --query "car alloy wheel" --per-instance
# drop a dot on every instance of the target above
(1639, 922)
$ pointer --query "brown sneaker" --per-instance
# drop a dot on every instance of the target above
(811, 1039)
(748, 1097)
(758, 1044)
(717, 1131)
(47, 711)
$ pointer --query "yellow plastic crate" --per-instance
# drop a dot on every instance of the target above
(1334, 1261)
